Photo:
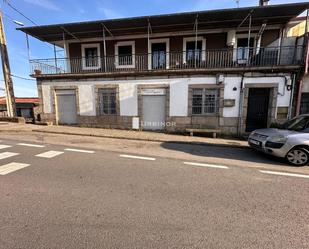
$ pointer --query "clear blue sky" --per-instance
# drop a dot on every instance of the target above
(61, 11)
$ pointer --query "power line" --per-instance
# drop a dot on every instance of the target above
(19, 12)
(28, 18)
(7, 16)
(20, 77)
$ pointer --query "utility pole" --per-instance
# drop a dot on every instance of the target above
(10, 99)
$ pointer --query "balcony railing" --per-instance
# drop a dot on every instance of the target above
(209, 59)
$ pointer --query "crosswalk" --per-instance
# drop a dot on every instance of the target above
(41, 151)
(50, 154)
(11, 167)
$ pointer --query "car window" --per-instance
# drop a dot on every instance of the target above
(297, 124)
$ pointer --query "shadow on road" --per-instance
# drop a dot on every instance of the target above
(243, 154)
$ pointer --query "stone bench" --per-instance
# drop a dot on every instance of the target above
(201, 130)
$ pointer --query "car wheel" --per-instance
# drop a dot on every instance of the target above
(298, 156)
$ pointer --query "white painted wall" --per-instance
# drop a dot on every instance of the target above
(283, 95)
(178, 93)
(86, 100)
(47, 99)
(128, 99)
(229, 84)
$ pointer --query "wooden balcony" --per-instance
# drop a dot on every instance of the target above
(223, 60)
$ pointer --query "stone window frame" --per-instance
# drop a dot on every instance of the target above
(53, 90)
(90, 45)
(220, 89)
(140, 89)
(97, 100)
(272, 105)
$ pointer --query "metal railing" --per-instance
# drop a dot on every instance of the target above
(207, 59)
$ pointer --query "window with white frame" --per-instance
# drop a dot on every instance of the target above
(158, 53)
(108, 101)
(194, 50)
(125, 54)
(91, 56)
(241, 52)
(205, 101)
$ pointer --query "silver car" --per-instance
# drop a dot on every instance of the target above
(290, 140)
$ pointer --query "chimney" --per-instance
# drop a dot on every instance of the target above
(264, 2)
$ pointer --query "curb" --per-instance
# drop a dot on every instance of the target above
(148, 140)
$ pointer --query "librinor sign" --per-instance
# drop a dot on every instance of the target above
(151, 91)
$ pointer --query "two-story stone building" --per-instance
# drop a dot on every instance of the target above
(229, 69)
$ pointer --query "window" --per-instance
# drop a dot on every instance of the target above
(192, 54)
(204, 101)
(296, 124)
(91, 56)
(107, 101)
(242, 49)
(125, 54)
(158, 53)
(158, 56)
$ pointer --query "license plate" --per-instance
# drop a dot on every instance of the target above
(254, 142)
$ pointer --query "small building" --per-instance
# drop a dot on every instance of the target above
(25, 107)
(230, 69)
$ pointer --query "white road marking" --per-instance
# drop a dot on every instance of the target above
(50, 154)
(283, 173)
(4, 146)
(4, 155)
(32, 145)
(77, 150)
(206, 165)
(11, 167)
(138, 157)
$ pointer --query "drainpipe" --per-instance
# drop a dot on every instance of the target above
(292, 96)
(240, 107)
(300, 87)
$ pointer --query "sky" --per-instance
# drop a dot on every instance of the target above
(61, 11)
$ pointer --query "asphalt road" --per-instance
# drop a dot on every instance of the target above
(95, 198)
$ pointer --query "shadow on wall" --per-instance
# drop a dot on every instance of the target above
(214, 151)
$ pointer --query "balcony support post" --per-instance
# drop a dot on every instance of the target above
(306, 25)
(28, 47)
(55, 56)
(249, 34)
(280, 46)
(104, 49)
(195, 47)
(149, 55)
(28, 51)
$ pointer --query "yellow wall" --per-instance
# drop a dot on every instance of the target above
(297, 30)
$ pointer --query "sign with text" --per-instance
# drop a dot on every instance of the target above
(152, 91)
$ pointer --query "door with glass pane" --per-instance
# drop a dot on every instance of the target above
(158, 55)
(243, 52)
(91, 57)
(194, 53)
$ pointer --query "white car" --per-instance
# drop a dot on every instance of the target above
(290, 140)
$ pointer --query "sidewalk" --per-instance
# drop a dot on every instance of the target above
(123, 134)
